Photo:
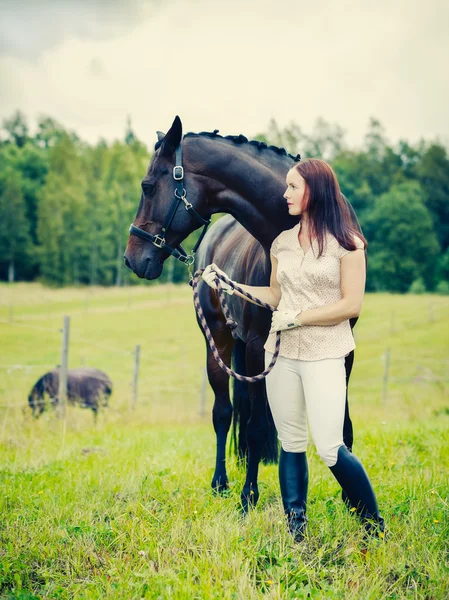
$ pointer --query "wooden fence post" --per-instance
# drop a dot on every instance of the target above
(62, 391)
(136, 376)
(386, 369)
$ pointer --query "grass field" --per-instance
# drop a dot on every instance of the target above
(123, 509)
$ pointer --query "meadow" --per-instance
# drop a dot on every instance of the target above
(123, 509)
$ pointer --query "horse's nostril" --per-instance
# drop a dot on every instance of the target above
(127, 262)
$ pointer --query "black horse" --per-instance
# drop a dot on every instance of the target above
(88, 387)
(245, 179)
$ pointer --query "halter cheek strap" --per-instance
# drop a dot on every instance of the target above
(180, 193)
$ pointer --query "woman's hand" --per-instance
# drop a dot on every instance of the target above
(284, 319)
(209, 275)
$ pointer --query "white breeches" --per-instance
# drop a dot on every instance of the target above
(314, 391)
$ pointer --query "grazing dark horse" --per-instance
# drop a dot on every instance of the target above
(90, 388)
(247, 181)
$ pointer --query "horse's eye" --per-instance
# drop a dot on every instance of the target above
(147, 188)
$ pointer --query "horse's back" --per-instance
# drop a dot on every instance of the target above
(234, 250)
(88, 374)
(88, 384)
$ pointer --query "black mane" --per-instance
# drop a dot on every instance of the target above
(239, 139)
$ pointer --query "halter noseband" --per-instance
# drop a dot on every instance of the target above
(180, 196)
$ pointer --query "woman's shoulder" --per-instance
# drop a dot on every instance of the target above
(285, 239)
(334, 247)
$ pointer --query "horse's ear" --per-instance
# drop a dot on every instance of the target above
(160, 136)
(172, 139)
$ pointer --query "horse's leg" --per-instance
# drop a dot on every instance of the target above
(258, 424)
(39, 406)
(348, 435)
(54, 402)
(222, 409)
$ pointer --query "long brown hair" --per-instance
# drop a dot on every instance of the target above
(327, 210)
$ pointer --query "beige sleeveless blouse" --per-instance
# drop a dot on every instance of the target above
(308, 282)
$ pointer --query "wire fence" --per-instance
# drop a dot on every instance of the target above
(419, 371)
(10, 369)
(418, 368)
(389, 325)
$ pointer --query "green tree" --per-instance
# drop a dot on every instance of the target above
(17, 129)
(366, 174)
(49, 132)
(325, 141)
(418, 287)
(402, 243)
(99, 231)
(127, 166)
(62, 216)
(443, 266)
(15, 241)
(32, 164)
(130, 137)
(433, 173)
(352, 169)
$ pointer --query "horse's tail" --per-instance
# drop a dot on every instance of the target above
(242, 411)
(240, 401)
(270, 452)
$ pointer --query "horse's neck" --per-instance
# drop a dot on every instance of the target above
(249, 190)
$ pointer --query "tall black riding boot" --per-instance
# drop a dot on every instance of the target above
(351, 475)
(294, 480)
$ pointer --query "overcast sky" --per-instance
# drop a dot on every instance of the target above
(230, 65)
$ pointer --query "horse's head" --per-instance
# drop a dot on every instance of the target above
(172, 205)
(36, 402)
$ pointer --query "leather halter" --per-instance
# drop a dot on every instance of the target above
(180, 196)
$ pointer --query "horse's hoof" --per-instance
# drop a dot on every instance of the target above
(249, 501)
(219, 487)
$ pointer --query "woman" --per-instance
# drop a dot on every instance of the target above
(317, 284)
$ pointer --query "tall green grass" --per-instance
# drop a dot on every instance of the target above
(123, 509)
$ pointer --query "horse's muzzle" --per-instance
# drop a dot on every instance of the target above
(146, 268)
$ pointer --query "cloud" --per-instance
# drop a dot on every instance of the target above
(30, 27)
(233, 65)
(97, 68)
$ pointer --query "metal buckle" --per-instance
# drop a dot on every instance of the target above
(159, 241)
(186, 260)
(183, 196)
(178, 172)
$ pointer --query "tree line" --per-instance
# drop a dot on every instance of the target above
(65, 205)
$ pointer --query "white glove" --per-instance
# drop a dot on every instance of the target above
(208, 276)
(284, 319)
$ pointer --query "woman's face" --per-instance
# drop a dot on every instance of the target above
(295, 194)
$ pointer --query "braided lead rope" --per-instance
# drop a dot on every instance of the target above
(224, 306)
